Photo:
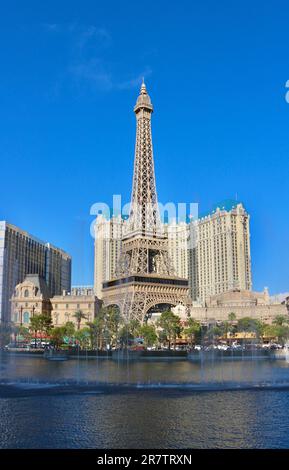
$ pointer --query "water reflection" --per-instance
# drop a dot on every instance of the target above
(147, 420)
(138, 418)
(106, 370)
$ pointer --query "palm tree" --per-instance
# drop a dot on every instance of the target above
(112, 323)
(79, 315)
(280, 320)
(35, 326)
(193, 329)
(232, 317)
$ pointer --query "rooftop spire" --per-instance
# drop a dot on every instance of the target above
(143, 101)
(143, 89)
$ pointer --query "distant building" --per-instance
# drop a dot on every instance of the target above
(32, 297)
(22, 254)
(178, 239)
(82, 290)
(242, 303)
(65, 306)
(220, 260)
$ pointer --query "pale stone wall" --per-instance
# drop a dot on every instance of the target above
(265, 313)
(243, 303)
(65, 306)
(107, 246)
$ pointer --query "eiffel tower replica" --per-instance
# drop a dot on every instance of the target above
(145, 277)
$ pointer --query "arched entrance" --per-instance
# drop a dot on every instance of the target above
(157, 309)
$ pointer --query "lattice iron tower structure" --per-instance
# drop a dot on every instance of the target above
(144, 277)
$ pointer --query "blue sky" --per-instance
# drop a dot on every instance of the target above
(216, 73)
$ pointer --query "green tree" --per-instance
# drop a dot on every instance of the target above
(193, 330)
(69, 332)
(46, 323)
(280, 320)
(170, 325)
(83, 337)
(41, 323)
(129, 331)
(232, 316)
(281, 332)
(112, 324)
(134, 327)
(23, 332)
(96, 329)
(57, 336)
(69, 329)
(149, 335)
(125, 336)
(79, 315)
(249, 324)
(214, 332)
(35, 326)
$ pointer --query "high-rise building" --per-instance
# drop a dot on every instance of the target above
(22, 254)
(178, 246)
(81, 290)
(108, 234)
(220, 261)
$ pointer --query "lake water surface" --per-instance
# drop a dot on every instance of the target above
(44, 416)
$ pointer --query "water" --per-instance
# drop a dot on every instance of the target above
(75, 416)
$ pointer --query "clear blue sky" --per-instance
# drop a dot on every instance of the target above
(216, 73)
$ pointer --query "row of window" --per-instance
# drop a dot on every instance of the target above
(68, 306)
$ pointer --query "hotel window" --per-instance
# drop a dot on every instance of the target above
(26, 293)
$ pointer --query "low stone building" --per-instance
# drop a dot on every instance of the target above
(32, 297)
(243, 303)
(64, 308)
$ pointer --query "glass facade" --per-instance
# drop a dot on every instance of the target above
(2, 246)
(22, 254)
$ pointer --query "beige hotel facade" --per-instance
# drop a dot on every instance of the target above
(213, 253)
